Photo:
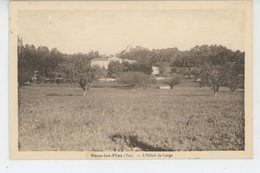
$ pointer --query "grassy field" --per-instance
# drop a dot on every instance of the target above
(58, 118)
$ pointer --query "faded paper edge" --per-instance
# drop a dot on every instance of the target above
(14, 7)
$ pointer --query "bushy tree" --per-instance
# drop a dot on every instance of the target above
(24, 75)
(146, 80)
(25, 57)
(134, 79)
(103, 72)
(173, 71)
(114, 69)
(195, 71)
(66, 70)
(137, 67)
(127, 67)
(145, 68)
(73, 67)
(162, 68)
(130, 79)
(173, 80)
(233, 79)
(98, 71)
(87, 79)
(212, 76)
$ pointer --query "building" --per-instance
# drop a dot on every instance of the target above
(129, 61)
(114, 58)
(156, 71)
(103, 62)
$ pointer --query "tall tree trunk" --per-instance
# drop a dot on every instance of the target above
(85, 93)
(215, 88)
(189, 73)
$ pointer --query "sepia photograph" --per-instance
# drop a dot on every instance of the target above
(130, 80)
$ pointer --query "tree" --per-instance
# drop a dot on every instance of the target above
(162, 68)
(146, 80)
(104, 72)
(174, 80)
(145, 68)
(41, 62)
(212, 76)
(87, 79)
(130, 79)
(25, 66)
(73, 67)
(126, 66)
(133, 79)
(188, 62)
(51, 60)
(137, 67)
(84, 86)
(232, 77)
(173, 71)
(97, 70)
(24, 75)
(195, 71)
(114, 69)
(66, 70)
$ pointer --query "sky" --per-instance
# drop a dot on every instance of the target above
(111, 31)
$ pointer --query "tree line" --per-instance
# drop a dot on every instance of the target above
(213, 65)
(44, 64)
(196, 56)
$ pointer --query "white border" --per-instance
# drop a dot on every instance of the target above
(14, 7)
(220, 165)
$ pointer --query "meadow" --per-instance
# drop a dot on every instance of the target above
(57, 118)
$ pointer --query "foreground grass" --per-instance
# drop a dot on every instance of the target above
(182, 119)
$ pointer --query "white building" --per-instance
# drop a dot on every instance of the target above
(103, 62)
(128, 60)
(156, 71)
